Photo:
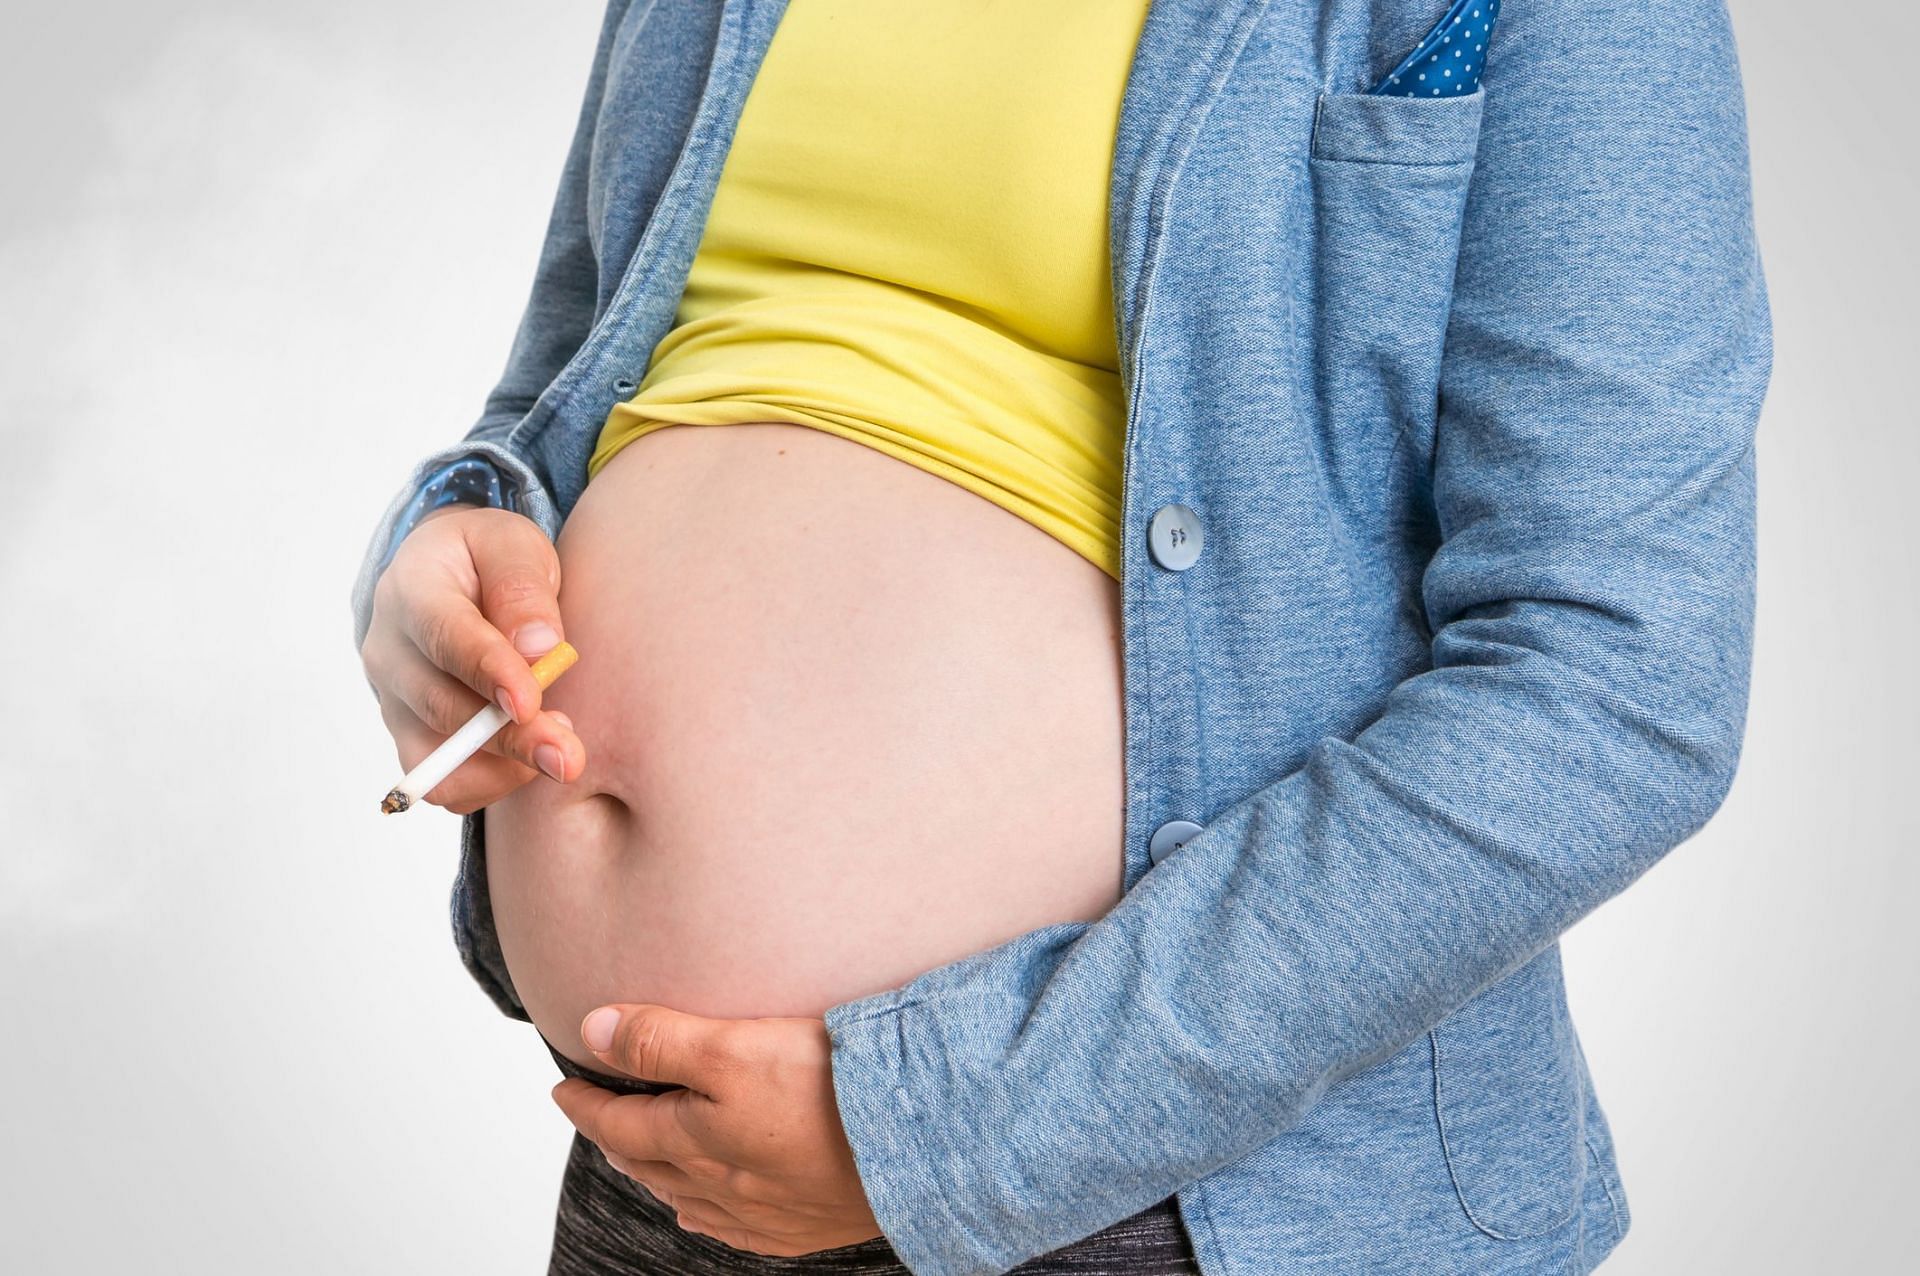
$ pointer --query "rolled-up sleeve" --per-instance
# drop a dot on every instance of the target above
(559, 314)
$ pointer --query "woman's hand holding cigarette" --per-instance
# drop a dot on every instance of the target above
(470, 598)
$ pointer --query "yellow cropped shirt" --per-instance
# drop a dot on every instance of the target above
(908, 248)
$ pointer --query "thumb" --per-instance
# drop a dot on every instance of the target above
(519, 577)
(655, 1043)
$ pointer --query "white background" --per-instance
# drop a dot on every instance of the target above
(256, 259)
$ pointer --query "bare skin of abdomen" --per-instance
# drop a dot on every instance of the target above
(846, 722)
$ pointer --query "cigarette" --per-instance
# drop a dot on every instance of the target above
(469, 739)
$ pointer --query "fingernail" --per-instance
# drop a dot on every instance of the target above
(535, 640)
(505, 702)
(548, 759)
(562, 719)
(597, 1030)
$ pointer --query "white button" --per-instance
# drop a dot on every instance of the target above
(1174, 537)
(1170, 837)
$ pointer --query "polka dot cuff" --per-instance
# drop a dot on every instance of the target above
(471, 480)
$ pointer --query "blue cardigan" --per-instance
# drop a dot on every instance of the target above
(1459, 394)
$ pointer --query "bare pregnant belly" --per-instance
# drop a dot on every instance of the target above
(845, 721)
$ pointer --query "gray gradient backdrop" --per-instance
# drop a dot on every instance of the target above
(254, 260)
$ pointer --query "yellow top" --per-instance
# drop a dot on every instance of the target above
(908, 248)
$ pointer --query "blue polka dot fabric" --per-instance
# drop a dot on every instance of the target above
(469, 480)
(1449, 61)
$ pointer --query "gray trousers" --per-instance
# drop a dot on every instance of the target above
(608, 1225)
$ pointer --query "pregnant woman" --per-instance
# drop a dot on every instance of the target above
(1135, 566)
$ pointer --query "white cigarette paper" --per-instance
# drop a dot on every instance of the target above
(469, 739)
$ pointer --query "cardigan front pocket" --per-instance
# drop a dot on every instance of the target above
(1510, 1098)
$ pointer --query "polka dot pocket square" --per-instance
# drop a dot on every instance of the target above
(1449, 61)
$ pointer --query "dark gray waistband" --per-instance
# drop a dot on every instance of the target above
(619, 1085)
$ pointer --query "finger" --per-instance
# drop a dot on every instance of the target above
(645, 1127)
(438, 699)
(583, 1103)
(657, 1043)
(443, 705)
(670, 1185)
(548, 743)
(690, 1213)
(693, 1215)
(742, 1238)
(519, 573)
(448, 629)
(695, 1174)
(479, 781)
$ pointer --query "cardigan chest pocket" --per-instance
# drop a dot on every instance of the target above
(1510, 1096)
(1374, 128)
(1390, 177)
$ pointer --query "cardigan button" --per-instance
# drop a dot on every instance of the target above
(1175, 538)
(1170, 837)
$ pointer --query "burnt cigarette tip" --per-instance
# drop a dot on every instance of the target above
(394, 803)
